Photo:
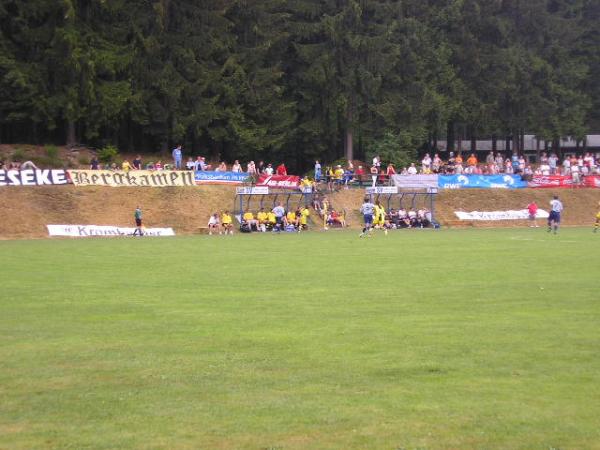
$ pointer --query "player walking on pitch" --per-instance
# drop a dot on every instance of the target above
(597, 224)
(138, 221)
(554, 217)
(367, 209)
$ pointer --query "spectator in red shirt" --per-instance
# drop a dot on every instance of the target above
(360, 175)
(281, 169)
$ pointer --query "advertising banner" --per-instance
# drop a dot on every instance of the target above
(382, 190)
(96, 230)
(279, 181)
(415, 181)
(133, 178)
(211, 177)
(592, 181)
(255, 190)
(33, 177)
(521, 214)
(550, 181)
(481, 181)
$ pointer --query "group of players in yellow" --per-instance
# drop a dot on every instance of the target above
(276, 219)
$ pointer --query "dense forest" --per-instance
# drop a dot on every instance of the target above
(296, 79)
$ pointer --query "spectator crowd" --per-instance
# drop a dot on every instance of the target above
(335, 177)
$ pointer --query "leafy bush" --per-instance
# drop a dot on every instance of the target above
(107, 154)
(52, 152)
(18, 154)
(52, 158)
(398, 149)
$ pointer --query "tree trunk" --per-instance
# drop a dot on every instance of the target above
(522, 136)
(71, 136)
(348, 145)
(450, 136)
(507, 142)
(556, 147)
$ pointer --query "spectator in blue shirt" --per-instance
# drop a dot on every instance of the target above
(177, 157)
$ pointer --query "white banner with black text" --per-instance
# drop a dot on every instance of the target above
(102, 230)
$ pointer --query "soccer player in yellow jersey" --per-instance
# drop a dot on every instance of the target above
(291, 218)
(271, 219)
(250, 220)
(227, 222)
(376, 215)
(262, 218)
(597, 224)
(304, 213)
(379, 217)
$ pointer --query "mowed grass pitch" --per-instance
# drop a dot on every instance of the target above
(428, 339)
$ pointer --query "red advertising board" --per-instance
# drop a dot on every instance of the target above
(592, 181)
(550, 181)
(279, 181)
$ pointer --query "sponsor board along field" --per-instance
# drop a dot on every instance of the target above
(456, 338)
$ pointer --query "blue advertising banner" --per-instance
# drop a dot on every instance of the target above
(205, 177)
(481, 181)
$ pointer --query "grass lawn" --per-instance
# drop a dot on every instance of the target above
(418, 339)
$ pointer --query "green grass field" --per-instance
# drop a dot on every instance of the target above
(421, 339)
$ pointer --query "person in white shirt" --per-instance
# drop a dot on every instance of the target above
(190, 164)
(412, 170)
(269, 169)
(426, 163)
(377, 162)
(214, 224)
(567, 165)
(575, 174)
(556, 207)
(237, 167)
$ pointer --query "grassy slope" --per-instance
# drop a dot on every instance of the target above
(444, 339)
(29, 209)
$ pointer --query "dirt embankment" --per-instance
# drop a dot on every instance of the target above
(27, 210)
(580, 205)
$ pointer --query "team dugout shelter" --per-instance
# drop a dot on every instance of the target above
(254, 198)
(393, 197)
